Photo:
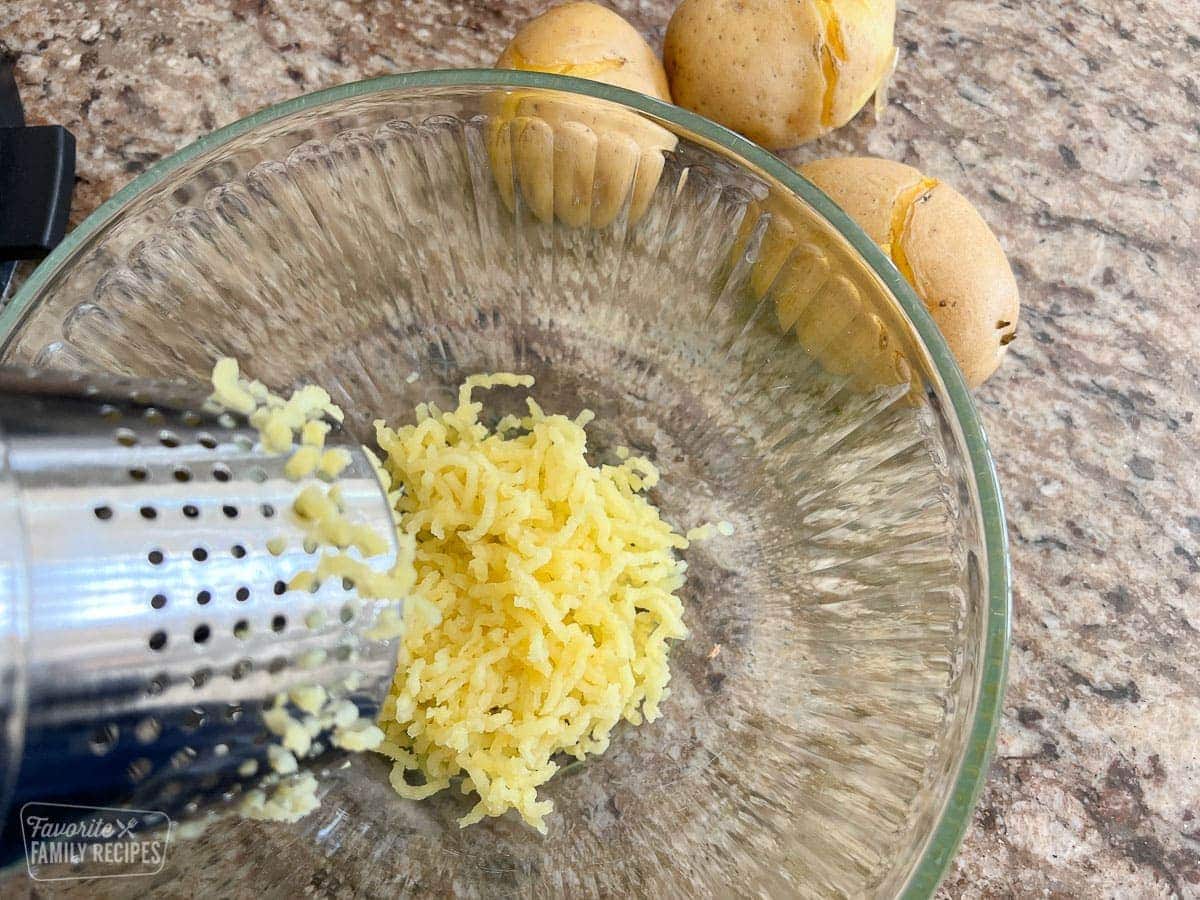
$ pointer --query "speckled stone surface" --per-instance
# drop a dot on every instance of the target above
(1076, 129)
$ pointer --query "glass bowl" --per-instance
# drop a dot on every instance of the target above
(832, 714)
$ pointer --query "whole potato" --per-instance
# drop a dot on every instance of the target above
(781, 72)
(941, 245)
(587, 41)
(579, 159)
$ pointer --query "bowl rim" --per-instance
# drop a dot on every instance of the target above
(955, 815)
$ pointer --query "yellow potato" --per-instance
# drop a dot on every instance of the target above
(587, 41)
(941, 244)
(579, 159)
(781, 72)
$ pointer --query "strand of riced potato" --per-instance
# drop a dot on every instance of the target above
(551, 601)
(281, 423)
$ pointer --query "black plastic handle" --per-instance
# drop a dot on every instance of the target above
(37, 177)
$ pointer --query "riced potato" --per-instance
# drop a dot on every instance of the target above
(555, 587)
(285, 793)
(540, 599)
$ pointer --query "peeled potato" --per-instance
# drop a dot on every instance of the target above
(941, 244)
(579, 159)
(781, 72)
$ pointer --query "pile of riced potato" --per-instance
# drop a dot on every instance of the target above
(780, 72)
(553, 585)
(539, 591)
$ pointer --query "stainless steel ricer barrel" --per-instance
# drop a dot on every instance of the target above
(144, 625)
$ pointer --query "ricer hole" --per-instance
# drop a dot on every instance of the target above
(182, 758)
(147, 730)
(195, 718)
(103, 739)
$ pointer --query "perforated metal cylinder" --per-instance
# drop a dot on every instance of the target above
(144, 624)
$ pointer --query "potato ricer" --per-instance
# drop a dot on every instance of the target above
(145, 627)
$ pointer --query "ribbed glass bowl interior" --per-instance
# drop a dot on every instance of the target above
(831, 714)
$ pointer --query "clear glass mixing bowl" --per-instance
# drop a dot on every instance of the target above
(832, 714)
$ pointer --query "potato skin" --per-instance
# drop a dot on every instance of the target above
(866, 187)
(781, 72)
(588, 41)
(941, 244)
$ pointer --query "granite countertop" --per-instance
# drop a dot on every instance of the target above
(1075, 127)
